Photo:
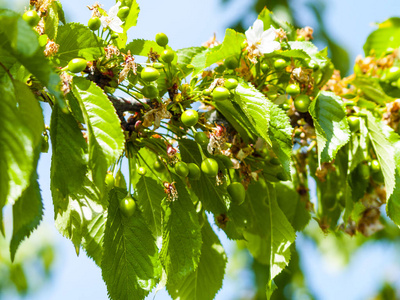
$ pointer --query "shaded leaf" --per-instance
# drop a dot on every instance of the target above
(180, 252)
(206, 280)
(130, 265)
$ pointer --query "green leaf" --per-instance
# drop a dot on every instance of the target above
(231, 46)
(185, 57)
(68, 145)
(384, 151)
(51, 21)
(317, 57)
(150, 194)
(94, 237)
(21, 42)
(77, 40)
(180, 252)
(236, 117)
(206, 280)
(199, 60)
(269, 19)
(381, 39)
(280, 132)
(372, 89)
(74, 212)
(131, 19)
(330, 124)
(18, 277)
(271, 235)
(21, 124)
(130, 265)
(393, 203)
(27, 214)
(295, 54)
(254, 105)
(291, 205)
(105, 136)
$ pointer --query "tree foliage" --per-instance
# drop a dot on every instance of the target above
(273, 115)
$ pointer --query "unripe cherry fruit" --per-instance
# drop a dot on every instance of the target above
(161, 39)
(31, 17)
(168, 55)
(209, 167)
(190, 117)
(127, 206)
(237, 192)
(220, 93)
(182, 169)
(231, 83)
(149, 74)
(77, 65)
(94, 23)
(194, 171)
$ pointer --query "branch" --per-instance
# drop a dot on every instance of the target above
(122, 105)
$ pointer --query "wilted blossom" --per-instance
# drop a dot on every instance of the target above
(95, 9)
(260, 41)
(155, 116)
(111, 20)
(128, 65)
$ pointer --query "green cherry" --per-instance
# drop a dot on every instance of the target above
(293, 89)
(201, 138)
(182, 169)
(150, 91)
(220, 93)
(237, 192)
(142, 171)
(161, 39)
(280, 63)
(168, 55)
(231, 63)
(127, 206)
(194, 171)
(123, 12)
(209, 167)
(94, 23)
(77, 65)
(190, 117)
(231, 83)
(301, 103)
(149, 74)
(354, 123)
(31, 17)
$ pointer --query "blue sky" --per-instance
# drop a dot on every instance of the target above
(190, 23)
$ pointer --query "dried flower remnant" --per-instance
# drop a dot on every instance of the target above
(111, 51)
(392, 115)
(95, 9)
(154, 116)
(338, 85)
(153, 55)
(171, 191)
(217, 141)
(305, 33)
(66, 81)
(128, 65)
(51, 48)
(212, 42)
